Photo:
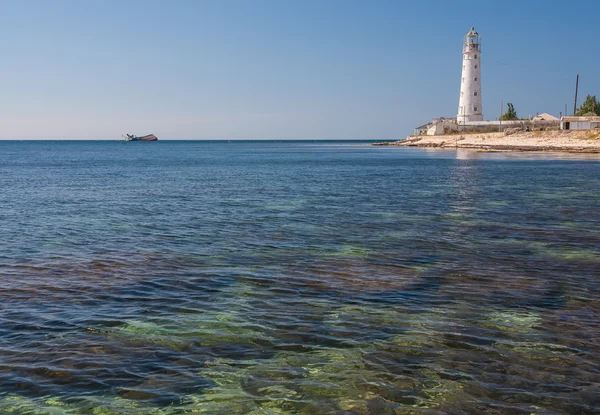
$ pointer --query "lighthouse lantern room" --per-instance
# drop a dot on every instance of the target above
(469, 106)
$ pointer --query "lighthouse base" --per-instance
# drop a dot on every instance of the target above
(464, 118)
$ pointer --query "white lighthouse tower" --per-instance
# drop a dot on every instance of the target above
(469, 106)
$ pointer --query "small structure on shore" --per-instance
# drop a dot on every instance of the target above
(580, 123)
(469, 105)
(544, 117)
(442, 126)
(437, 126)
(423, 129)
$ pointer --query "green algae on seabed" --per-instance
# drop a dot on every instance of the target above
(402, 317)
(351, 315)
(140, 332)
(208, 328)
(569, 254)
(398, 235)
(423, 332)
(317, 382)
(472, 223)
(537, 350)
(329, 379)
(399, 318)
(551, 250)
(562, 195)
(100, 405)
(388, 214)
(456, 215)
(496, 203)
(205, 329)
(286, 205)
(524, 328)
(21, 405)
(302, 226)
(514, 321)
(348, 251)
(314, 383)
(123, 227)
(441, 393)
(233, 401)
(573, 254)
(14, 404)
(120, 406)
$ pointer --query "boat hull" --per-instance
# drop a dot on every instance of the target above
(149, 137)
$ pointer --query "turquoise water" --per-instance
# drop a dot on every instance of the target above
(297, 278)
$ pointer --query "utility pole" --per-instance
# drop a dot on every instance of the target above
(501, 105)
(576, 90)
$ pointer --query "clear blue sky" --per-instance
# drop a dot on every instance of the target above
(282, 68)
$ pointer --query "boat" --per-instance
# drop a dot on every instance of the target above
(133, 137)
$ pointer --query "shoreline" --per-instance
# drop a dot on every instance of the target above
(570, 141)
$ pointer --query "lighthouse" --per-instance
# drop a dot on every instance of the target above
(469, 105)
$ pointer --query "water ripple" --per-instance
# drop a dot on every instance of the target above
(274, 279)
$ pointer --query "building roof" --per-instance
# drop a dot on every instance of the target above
(594, 118)
(424, 126)
(444, 121)
(544, 117)
(472, 32)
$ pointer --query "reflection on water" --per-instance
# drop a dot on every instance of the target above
(296, 278)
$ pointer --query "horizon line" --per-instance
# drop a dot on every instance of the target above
(202, 139)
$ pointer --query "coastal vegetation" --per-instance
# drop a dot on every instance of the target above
(510, 114)
(590, 106)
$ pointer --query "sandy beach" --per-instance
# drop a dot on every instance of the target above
(585, 141)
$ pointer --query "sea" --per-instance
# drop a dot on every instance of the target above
(297, 277)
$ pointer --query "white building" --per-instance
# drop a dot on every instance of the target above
(441, 127)
(437, 126)
(422, 129)
(580, 123)
(469, 106)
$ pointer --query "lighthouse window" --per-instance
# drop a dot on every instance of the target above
(475, 66)
(476, 109)
(475, 93)
(475, 56)
(464, 79)
(475, 79)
